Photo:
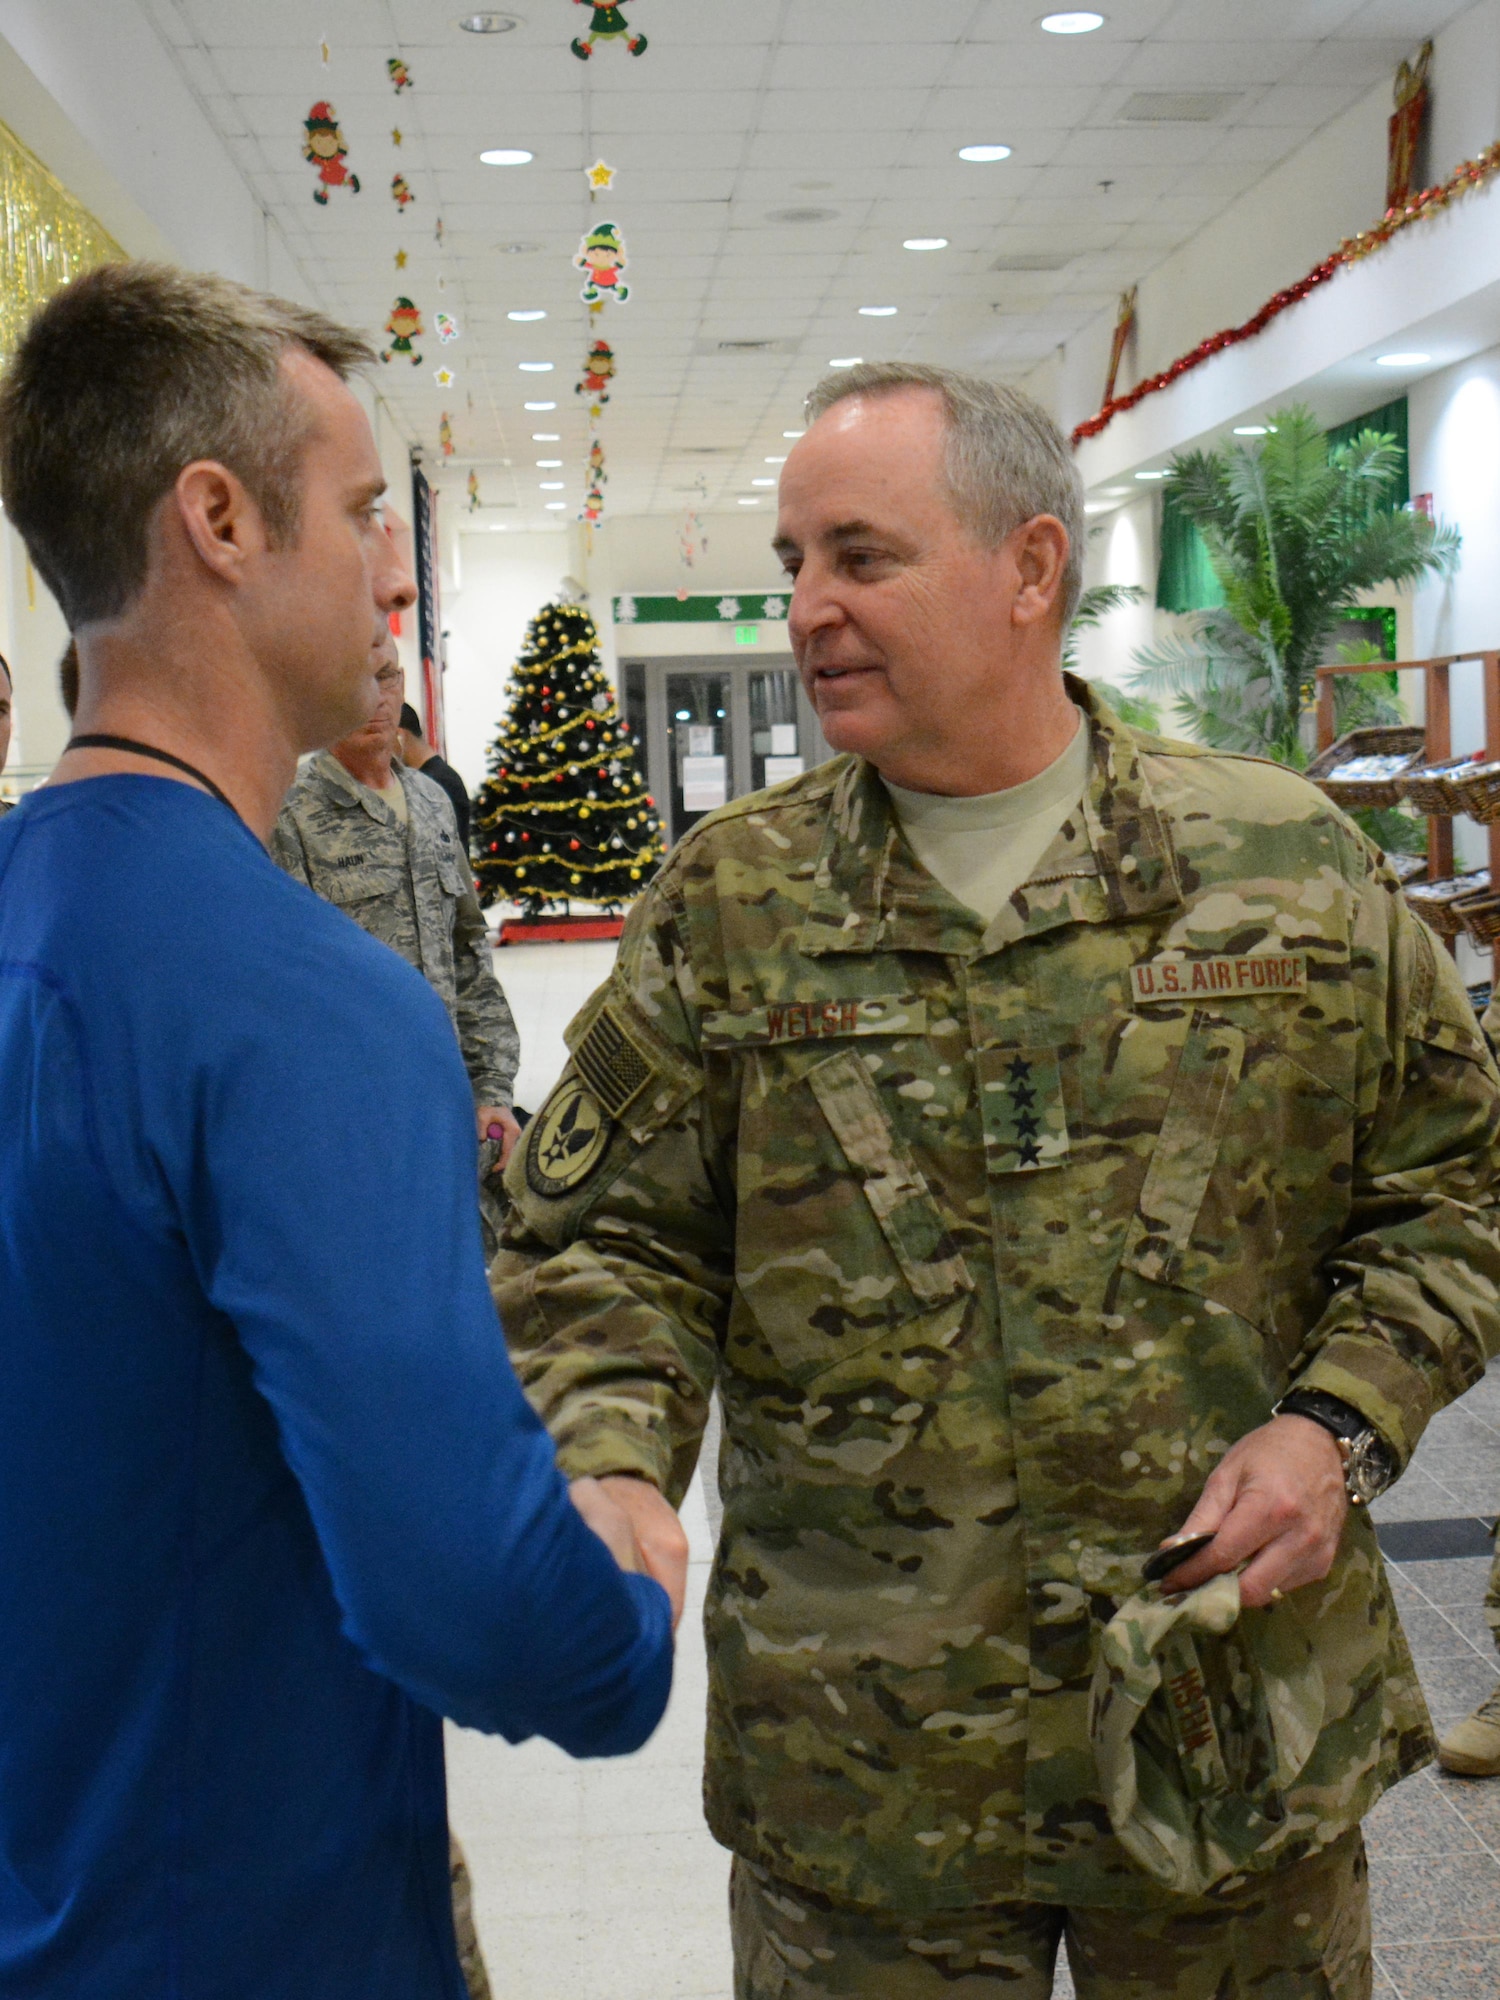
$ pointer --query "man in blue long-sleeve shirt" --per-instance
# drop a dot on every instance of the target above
(271, 1502)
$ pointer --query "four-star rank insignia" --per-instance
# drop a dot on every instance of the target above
(567, 1140)
(1025, 1116)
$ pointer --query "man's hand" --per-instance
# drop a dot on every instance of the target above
(609, 1522)
(659, 1535)
(1277, 1504)
(498, 1114)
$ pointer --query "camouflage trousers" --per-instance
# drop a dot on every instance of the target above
(470, 1957)
(1492, 1594)
(1301, 1933)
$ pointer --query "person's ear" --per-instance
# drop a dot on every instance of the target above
(1040, 553)
(220, 521)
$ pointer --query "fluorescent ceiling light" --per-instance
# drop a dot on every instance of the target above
(925, 243)
(1151, 475)
(794, 434)
(555, 506)
(546, 437)
(1250, 430)
(846, 361)
(878, 312)
(549, 464)
(505, 156)
(1402, 360)
(984, 152)
(535, 367)
(748, 503)
(1115, 492)
(776, 461)
(1080, 23)
(487, 24)
(539, 406)
(537, 314)
(763, 482)
(551, 485)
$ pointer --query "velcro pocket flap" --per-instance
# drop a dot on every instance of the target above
(900, 1198)
(1208, 1073)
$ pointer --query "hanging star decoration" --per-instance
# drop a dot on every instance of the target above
(606, 24)
(406, 329)
(600, 178)
(447, 327)
(602, 255)
(444, 377)
(401, 193)
(396, 135)
(325, 149)
(445, 435)
(598, 371)
(475, 503)
(400, 260)
(399, 74)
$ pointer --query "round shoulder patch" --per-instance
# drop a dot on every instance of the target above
(567, 1139)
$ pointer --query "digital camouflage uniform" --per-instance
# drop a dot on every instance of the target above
(993, 1240)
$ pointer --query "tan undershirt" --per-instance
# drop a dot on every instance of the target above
(983, 849)
(394, 795)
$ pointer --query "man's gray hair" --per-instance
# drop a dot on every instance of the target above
(1006, 460)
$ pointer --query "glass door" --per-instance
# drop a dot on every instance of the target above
(776, 749)
(701, 746)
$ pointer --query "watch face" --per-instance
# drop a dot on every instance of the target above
(1369, 1470)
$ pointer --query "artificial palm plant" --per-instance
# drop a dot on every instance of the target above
(1296, 533)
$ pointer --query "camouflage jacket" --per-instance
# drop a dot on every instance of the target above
(992, 1241)
(410, 887)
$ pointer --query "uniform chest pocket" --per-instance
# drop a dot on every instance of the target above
(1187, 1150)
(358, 881)
(840, 1238)
(452, 874)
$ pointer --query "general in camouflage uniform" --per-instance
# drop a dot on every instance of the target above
(410, 886)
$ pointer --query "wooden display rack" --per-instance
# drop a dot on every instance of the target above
(1437, 708)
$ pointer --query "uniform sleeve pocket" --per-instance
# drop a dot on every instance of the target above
(899, 1197)
(1187, 1147)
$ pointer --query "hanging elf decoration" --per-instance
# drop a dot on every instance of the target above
(447, 326)
(401, 193)
(607, 24)
(598, 372)
(602, 255)
(475, 503)
(564, 812)
(398, 73)
(1407, 129)
(445, 435)
(324, 147)
(593, 502)
(406, 329)
(1124, 327)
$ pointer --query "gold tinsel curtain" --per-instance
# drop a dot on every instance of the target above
(46, 238)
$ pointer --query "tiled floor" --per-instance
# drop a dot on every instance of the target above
(600, 1882)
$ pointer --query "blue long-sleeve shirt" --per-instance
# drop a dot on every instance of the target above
(271, 1500)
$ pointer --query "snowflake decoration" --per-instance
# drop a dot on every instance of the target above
(625, 610)
(729, 607)
(774, 607)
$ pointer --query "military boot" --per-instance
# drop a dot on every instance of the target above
(1472, 1747)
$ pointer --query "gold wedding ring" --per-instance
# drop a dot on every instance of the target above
(1275, 1596)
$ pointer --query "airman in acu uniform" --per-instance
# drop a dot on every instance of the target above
(1001, 1240)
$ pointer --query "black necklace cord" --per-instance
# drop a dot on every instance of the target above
(149, 750)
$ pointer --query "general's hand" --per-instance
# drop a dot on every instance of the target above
(608, 1521)
(498, 1114)
(658, 1532)
(1278, 1498)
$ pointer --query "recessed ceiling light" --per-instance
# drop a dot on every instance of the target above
(878, 312)
(551, 485)
(763, 482)
(846, 361)
(1079, 23)
(539, 406)
(537, 314)
(748, 503)
(506, 156)
(549, 464)
(794, 434)
(1250, 430)
(1402, 360)
(556, 506)
(925, 243)
(984, 152)
(535, 367)
(488, 24)
(1151, 475)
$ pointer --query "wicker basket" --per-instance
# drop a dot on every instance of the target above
(1429, 788)
(1477, 789)
(1379, 757)
(1436, 902)
(1480, 917)
(1407, 868)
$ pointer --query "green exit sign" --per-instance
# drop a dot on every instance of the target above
(747, 635)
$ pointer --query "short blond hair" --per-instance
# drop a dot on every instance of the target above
(1006, 459)
(124, 377)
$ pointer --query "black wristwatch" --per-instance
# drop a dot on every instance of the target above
(1369, 1462)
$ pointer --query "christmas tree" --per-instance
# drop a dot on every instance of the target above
(564, 812)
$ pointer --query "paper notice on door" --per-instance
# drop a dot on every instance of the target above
(705, 782)
(778, 768)
(700, 741)
(783, 739)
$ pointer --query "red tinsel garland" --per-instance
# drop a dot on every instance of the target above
(1472, 174)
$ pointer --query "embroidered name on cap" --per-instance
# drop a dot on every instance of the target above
(1220, 978)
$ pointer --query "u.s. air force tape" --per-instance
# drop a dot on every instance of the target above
(567, 1139)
